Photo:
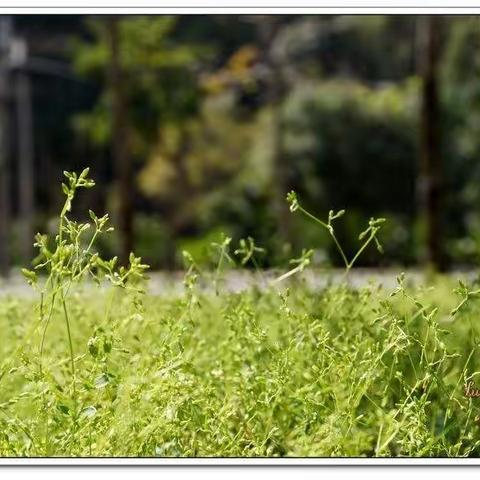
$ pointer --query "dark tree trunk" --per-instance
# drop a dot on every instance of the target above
(120, 144)
(269, 28)
(179, 218)
(430, 165)
(25, 158)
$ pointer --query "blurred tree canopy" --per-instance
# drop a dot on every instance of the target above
(225, 114)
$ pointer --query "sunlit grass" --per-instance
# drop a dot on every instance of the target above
(277, 371)
(298, 373)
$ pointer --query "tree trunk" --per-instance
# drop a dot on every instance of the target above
(25, 158)
(269, 28)
(430, 171)
(120, 144)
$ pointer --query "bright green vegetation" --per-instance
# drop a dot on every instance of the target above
(282, 371)
(338, 372)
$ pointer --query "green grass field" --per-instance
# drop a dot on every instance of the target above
(280, 371)
(283, 372)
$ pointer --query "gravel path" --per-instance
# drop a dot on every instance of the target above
(171, 283)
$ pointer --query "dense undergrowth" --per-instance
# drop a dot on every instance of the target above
(339, 372)
(280, 371)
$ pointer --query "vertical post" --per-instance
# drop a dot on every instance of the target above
(25, 148)
(5, 34)
(430, 171)
(121, 154)
(268, 29)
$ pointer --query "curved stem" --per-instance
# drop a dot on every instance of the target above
(330, 231)
(339, 249)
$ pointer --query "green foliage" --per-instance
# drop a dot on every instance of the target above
(343, 140)
(221, 251)
(367, 236)
(66, 265)
(157, 77)
(341, 372)
(248, 251)
(338, 373)
(202, 122)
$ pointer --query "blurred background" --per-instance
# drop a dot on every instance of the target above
(198, 125)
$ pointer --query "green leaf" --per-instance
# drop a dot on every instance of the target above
(88, 412)
(30, 276)
(364, 234)
(92, 346)
(101, 381)
(64, 409)
(84, 173)
(378, 244)
(333, 216)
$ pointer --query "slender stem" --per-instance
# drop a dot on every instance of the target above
(50, 313)
(72, 360)
(110, 304)
(361, 249)
(217, 272)
(92, 241)
(257, 268)
(75, 276)
(60, 229)
(330, 231)
(288, 274)
(90, 438)
(339, 247)
(42, 298)
(18, 422)
(313, 217)
(44, 333)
